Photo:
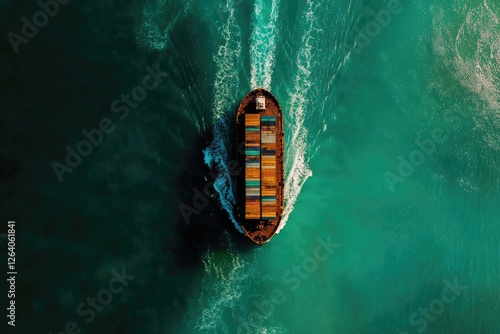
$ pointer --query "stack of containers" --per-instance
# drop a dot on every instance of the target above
(268, 156)
(252, 166)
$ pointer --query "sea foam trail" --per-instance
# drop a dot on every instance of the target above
(470, 52)
(263, 43)
(227, 60)
(296, 168)
(150, 34)
(226, 273)
(225, 279)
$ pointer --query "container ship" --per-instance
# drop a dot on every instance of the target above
(260, 200)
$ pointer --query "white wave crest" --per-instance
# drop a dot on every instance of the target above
(263, 43)
(226, 83)
(296, 167)
(226, 60)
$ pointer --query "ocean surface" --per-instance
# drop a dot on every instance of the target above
(392, 130)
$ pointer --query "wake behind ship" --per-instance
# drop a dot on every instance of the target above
(259, 124)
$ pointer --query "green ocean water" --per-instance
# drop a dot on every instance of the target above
(392, 130)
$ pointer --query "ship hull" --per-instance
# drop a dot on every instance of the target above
(260, 183)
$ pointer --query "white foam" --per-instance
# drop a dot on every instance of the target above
(216, 157)
(228, 58)
(263, 41)
(296, 167)
(475, 49)
(225, 279)
(226, 83)
(150, 34)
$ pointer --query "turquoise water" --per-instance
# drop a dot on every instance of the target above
(392, 216)
(350, 113)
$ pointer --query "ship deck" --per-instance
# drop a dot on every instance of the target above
(260, 184)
